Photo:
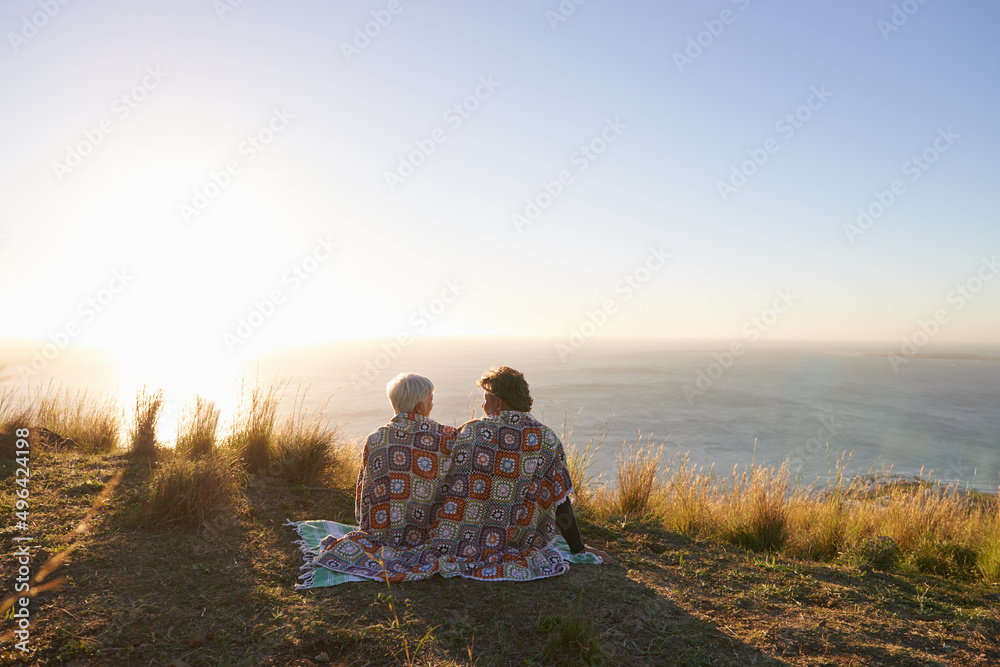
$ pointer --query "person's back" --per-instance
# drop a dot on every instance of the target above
(508, 471)
(518, 482)
(401, 467)
(398, 483)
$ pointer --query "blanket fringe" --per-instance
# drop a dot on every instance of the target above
(308, 557)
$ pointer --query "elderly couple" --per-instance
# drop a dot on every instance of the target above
(482, 501)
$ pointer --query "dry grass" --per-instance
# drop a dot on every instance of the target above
(347, 468)
(13, 410)
(196, 433)
(936, 529)
(13, 415)
(820, 520)
(578, 460)
(639, 481)
(304, 445)
(94, 425)
(132, 599)
(144, 420)
(989, 550)
(304, 452)
(253, 429)
(183, 493)
(755, 508)
(688, 498)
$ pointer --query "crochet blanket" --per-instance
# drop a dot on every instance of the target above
(478, 503)
(403, 473)
(313, 532)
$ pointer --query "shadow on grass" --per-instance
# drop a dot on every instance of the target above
(224, 594)
(506, 623)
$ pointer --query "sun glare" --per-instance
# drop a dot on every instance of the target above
(182, 374)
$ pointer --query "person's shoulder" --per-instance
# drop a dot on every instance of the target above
(529, 420)
(381, 433)
(478, 429)
(549, 436)
(439, 428)
(397, 423)
(467, 426)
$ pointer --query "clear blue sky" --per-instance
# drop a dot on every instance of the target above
(330, 121)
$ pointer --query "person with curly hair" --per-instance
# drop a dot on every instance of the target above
(507, 400)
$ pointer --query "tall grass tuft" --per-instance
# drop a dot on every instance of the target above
(578, 461)
(253, 431)
(938, 529)
(639, 480)
(988, 560)
(305, 449)
(820, 522)
(145, 418)
(13, 415)
(756, 508)
(187, 493)
(94, 425)
(689, 498)
(196, 433)
(347, 466)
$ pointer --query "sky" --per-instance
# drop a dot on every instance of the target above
(200, 181)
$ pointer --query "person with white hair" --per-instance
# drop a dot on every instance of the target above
(410, 393)
(401, 465)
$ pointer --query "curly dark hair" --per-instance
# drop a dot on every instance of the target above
(509, 386)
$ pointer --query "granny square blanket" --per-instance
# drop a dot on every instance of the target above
(312, 532)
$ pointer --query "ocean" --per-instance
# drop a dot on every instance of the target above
(771, 404)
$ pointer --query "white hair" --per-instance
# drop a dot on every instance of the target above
(406, 390)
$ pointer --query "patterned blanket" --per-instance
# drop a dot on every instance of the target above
(478, 503)
(400, 483)
(313, 532)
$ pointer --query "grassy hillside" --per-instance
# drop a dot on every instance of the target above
(182, 557)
